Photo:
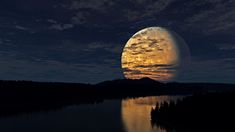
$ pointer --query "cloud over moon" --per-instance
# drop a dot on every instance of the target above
(151, 53)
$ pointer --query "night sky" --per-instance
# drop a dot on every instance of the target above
(82, 40)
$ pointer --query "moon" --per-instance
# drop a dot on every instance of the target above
(153, 52)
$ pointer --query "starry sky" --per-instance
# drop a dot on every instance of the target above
(82, 40)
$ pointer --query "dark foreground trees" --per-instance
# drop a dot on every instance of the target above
(205, 112)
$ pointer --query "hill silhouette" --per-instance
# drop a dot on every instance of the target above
(137, 82)
(26, 96)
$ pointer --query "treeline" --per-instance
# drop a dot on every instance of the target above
(203, 112)
(26, 96)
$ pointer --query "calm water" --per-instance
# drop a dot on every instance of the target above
(129, 115)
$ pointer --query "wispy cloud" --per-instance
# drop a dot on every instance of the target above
(219, 18)
(226, 46)
(216, 70)
(21, 28)
(50, 70)
(61, 27)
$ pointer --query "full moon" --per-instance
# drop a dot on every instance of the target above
(153, 52)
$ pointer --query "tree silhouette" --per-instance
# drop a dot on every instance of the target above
(205, 112)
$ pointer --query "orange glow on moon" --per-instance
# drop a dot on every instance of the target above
(151, 52)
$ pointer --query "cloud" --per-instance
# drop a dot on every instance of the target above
(100, 5)
(84, 9)
(114, 11)
(189, 16)
(80, 18)
(157, 6)
(21, 28)
(226, 46)
(219, 17)
(61, 27)
(66, 51)
(114, 48)
(157, 66)
(51, 70)
(150, 9)
(214, 70)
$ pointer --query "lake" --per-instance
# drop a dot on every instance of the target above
(126, 115)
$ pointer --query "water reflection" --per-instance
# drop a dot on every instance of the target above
(130, 115)
(136, 113)
(104, 117)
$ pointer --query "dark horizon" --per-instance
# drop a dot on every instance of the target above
(113, 80)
